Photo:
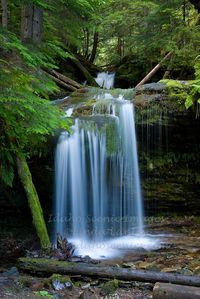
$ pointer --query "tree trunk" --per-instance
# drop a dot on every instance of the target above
(154, 70)
(91, 81)
(87, 40)
(34, 203)
(95, 46)
(119, 47)
(31, 25)
(45, 266)
(26, 24)
(4, 5)
(37, 24)
(173, 291)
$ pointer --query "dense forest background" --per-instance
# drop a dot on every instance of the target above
(79, 38)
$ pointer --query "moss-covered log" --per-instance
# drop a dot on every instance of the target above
(62, 83)
(34, 203)
(173, 291)
(63, 78)
(46, 266)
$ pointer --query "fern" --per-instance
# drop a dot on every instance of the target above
(193, 99)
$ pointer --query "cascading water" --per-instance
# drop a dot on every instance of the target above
(98, 194)
(105, 80)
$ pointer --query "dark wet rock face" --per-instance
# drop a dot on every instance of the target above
(169, 145)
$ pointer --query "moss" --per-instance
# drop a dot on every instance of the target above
(60, 278)
(172, 84)
(83, 111)
(109, 287)
(111, 139)
(34, 203)
(151, 114)
(91, 102)
(78, 284)
(35, 264)
(25, 281)
(178, 90)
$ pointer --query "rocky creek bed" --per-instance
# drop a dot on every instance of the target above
(180, 253)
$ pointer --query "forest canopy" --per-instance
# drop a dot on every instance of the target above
(37, 35)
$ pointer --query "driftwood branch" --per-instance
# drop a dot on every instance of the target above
(173, 291)
(46, 266)
(154, 70)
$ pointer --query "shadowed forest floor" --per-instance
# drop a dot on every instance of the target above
(179, 253)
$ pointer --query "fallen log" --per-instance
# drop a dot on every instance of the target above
(173, 291)
(154, 70)
(63, 78)
(48, 267)
(62, 84)
(85, 73)
(93, 69)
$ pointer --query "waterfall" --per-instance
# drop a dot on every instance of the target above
(105, 80)
(98, 193)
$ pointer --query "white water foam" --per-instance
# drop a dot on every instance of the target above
(114, 248)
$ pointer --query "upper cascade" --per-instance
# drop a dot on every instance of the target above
(105, 80)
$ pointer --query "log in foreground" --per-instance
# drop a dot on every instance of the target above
(47, 266)
(173, 291)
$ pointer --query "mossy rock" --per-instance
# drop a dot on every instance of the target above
(60, 278)
(82, 111)
(152, 88)
(25, 281)
(178, 90)
(109, 287)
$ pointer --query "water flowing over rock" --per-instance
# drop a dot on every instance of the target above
(98, 194)
(105, 80)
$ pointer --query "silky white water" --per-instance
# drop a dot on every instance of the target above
(105, 80)
(98, 191)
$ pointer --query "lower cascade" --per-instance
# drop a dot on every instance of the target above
(98, 194)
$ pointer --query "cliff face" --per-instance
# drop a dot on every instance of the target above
(169, 147)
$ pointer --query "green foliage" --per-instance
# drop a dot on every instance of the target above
(44, 294)
(194, 96)
(147, 30)
(26, 117)
(109, 287)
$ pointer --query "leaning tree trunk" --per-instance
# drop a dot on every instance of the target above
(154, 70)
(4, 4)
(34, 203)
